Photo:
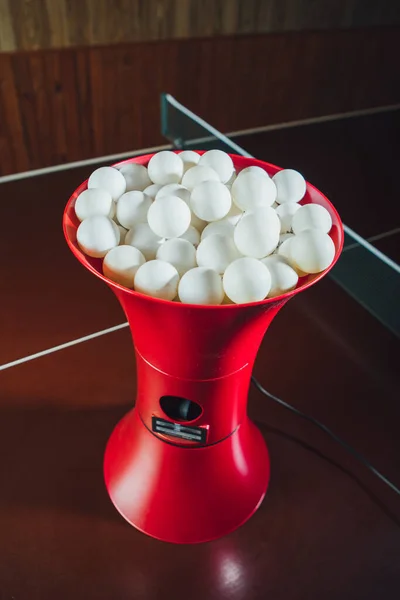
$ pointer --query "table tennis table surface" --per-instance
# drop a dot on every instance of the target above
(327, 527)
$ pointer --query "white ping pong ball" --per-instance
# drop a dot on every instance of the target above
(282, 238)
(222, 227)
(283, 250)
(94, 202)
(174, 189)
(179, 253)
(109, 179)
(144, 239)
(285, 213)
(251, 190)
(97, 235)
(169, 217)
(290, 185)
(165, 167)
(246, 280)
(283, 277)
(217, 252)
(312, 250)
(256, 170)
(132, 208)
(192, 235)
(311, 216)
(152, 190)
(189, 158)
(257, 232)
(157, 278)
(136, 176)
(197, 175)
(197, 223)
(121, 263)
(201, 286)
(210, 200)
(220, 161)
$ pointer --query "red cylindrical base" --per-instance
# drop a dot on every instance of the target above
(185, 494)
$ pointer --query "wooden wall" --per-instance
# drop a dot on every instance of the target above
(65, 105)
(33, 24)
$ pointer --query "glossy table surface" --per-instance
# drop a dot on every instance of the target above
(327, 527)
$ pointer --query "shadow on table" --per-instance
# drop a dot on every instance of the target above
(51, 457)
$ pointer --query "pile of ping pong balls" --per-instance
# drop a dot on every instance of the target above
(188, 227)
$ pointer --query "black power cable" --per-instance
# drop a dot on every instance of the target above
(325, 429)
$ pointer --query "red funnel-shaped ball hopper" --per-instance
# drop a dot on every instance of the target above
(186, 465)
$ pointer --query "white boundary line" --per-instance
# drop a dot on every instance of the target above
(85, 338)
(226, 138)
(315, 120)
(374, 238)
(81, 163)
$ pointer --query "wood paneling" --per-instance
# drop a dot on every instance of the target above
(64, 105)
(29, 25)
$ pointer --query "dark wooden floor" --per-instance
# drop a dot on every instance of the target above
(327, 528)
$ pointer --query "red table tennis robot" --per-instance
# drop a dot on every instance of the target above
(186, 464)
